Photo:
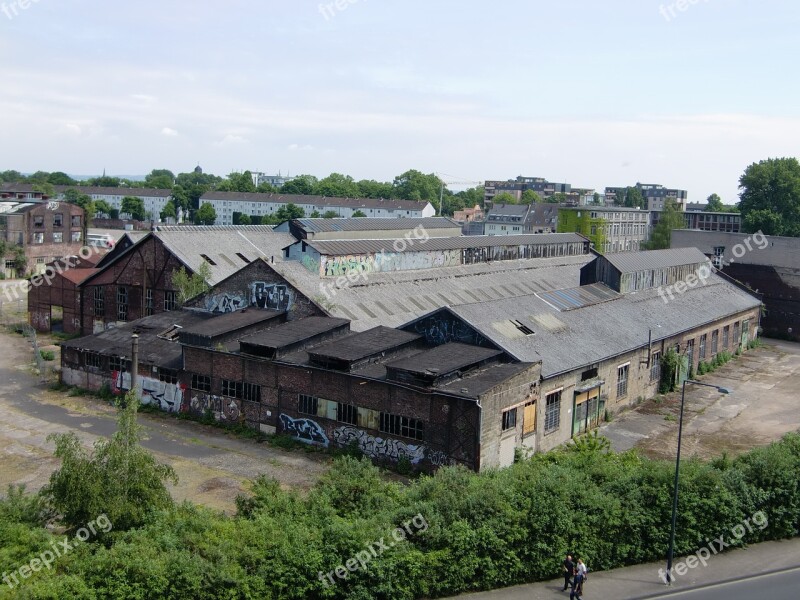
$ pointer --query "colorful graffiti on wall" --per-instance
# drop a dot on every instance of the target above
(383, 262)
(270, 295)
(304, 430)
(166, 396)
(223, 409)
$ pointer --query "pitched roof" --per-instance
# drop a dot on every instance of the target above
(115, 191)
(570, 339)
(345, 247)
(320, 201)
(508, 210)
(374, 224)
(631, 262)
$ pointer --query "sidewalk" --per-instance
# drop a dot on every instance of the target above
(642, 581)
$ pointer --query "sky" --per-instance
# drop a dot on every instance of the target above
(594, 93)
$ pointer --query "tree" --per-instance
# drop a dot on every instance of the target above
(337, 185)
(134, 207)
(369, 188)
(415, 185)
(472, 196)
(619, 197)
(714, 204)
(168, 212)
(315, 215)
(161, 179)
(530, 197)
(330, 214)
(104, 181)
(596, 198)
(238, 182)
(180, 197)
(60, 178)
(557, 198)
(504, 198)
(244, 220)
(770, 197)
(289, 211)
(671, 218)
(302, 185)
(189, 286)
(119, 478)
(101, 206)
(205, 215)
(633, 198)
(45, 188)
(266, 188)
(11, 176)
(359, 213)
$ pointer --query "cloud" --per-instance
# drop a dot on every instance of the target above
(298, 147)
(232, 140)
(169, 132)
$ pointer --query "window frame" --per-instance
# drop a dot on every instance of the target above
(552, 411)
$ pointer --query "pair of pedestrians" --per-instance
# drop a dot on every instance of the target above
(574, 576)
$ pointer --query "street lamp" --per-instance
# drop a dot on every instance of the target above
(722, 390)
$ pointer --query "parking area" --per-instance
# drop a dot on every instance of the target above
(762, 407)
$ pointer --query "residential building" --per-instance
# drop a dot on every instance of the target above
(706, 221)
(376, 228)
(45, 230)
(275, 181)
(154, 199)
(508, 219)
(227, 203)
(768, 265)
(544, 217)
(468, 215)
(654, 195)
(545, 189)
(611, 229)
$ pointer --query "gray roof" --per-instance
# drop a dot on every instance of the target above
(374, 224)
(572, 339)
(772, 250)
(315, 200)
(223, 245)
(632, 262)
(13, 207)
(511, 210)
(444, 359)
(115, 191)
(292, 332)
(345, 247)
(360, 345)
(397, 297)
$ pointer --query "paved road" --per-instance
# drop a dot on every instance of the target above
(784, 584)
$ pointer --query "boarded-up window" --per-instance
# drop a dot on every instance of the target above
(529, 418)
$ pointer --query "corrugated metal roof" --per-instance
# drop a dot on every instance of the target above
(597, 332)
(444, 359)
(374, 224)
(579, 297)
(320, 201)
(631, 262)
(293, 332)
(345, 247)
(366, 343)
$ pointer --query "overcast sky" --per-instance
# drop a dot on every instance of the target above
(594, 93)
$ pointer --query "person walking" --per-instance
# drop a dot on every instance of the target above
(582, 568)
(569, 572)
(576, 590)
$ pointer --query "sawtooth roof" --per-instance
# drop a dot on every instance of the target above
(572, 339)
(632, 262)
(374, 224)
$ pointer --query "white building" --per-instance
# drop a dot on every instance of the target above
(154, 200)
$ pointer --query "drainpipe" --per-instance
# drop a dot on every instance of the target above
(134, 361)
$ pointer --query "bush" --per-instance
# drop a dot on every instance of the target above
(48, 355)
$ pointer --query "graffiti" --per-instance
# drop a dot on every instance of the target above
(226, 303)
(437, 458)
(223, 408)
(166, 396)
(52, 205)
(376, 447)
(270, 295)
(304, 430)
(311, 264)
(383, 262)
(441, 329)
(231, 409)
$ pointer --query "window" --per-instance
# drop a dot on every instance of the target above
(622, 380)
(529, 418)
(509, 419)
(251, 392)
(122, 303)
(208, 260)
(552, 412)
(76, 236)
(714, 341)
(201, 383)
(726, 332)
(58, 237)
(170, 300)
(690, 353)
(76, 220)
(99, 302)
(307, 405)
(522, 327)
(38, 238)
(167, 375)
(655, 366)
(117, 364)
(92, 359)
(346, 413)
(148, 301)
(736, 334)
(403, 426)
(702, 353)
(232, 389)
(58, 220)
(40, 260)
(38, 221)
(243, 257)
(719, 254)
(589, 374)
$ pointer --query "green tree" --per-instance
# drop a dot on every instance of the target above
(770, 197)
(619, 197)
(134, 207)
(359, 213)
(238, 182)
(104, 181)
(205, 215)
(415, 185)
(118, 478)
(315, 214)
(45, 188)
(169, 211)
(11, 176)
(244, 219)
(504, 198)
(472, 196)
(714, 204)
(266, 188)
(633, 198)
(671, 218)
(337, 185)
(369, 188)
(188, 286)
(557, 198)
(596, 198)
(330, 214)
(101, 206)
(60, 178)
(160, 179)
(530, 197)
(289, 211)
(181, 198)
(302, 185)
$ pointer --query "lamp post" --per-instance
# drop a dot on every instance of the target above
(722, 390)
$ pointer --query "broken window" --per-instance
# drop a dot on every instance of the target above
(714, 342)
(346, 413)
(622, 380)
(655, 366)
(509, 419)
(122, 303)
(148, 302)
(702, 353)
(201, 383)
(168, 375)
(307, 405)
(552, 414)
(99, 302)
(403, 426)
(58, 220)
(170, 301)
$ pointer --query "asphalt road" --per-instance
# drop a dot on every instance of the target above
(784, 584)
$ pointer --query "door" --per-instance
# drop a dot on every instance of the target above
(745, 332)
(587, 410)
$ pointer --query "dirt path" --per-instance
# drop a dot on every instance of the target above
(213, 467)
(762, 407)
